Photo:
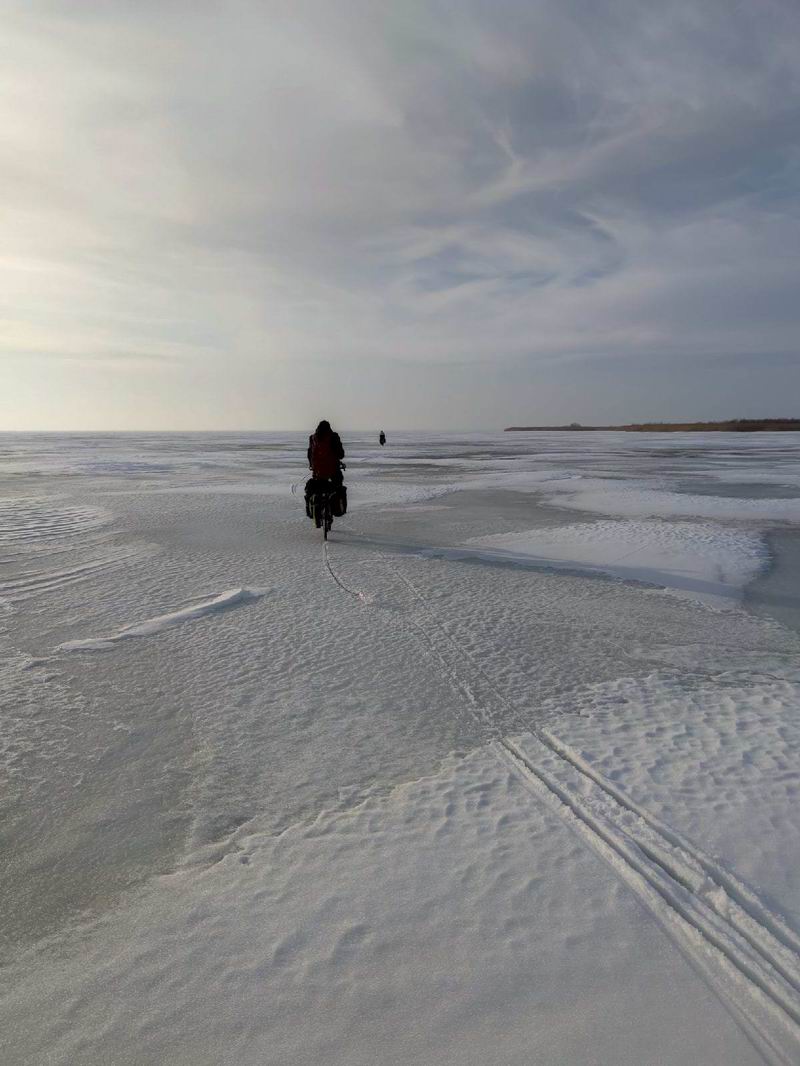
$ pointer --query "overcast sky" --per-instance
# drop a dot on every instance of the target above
(453, 213)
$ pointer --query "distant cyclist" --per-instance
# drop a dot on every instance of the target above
(325, 455)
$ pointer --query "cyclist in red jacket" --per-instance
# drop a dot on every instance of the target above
(325, 455)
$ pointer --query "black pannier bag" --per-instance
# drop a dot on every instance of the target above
(338, 497)
(339, 502)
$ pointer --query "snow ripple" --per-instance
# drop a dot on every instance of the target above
(32, 519)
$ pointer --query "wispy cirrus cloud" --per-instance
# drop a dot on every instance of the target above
(258, 195)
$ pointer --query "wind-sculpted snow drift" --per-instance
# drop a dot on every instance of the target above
(691, 558)
(152, 626)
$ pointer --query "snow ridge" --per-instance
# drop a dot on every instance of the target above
(152, 626)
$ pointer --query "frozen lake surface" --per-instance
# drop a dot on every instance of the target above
(510, 774)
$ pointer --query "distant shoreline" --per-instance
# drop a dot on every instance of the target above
(736, 425)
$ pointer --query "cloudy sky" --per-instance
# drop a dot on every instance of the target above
(451, 213)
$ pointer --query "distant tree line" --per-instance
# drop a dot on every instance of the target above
(734, 425)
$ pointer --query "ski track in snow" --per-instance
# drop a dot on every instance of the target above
(745, 952)
(153, 626)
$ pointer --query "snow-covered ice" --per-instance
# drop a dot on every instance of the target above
(693, 558)
(454, 921)
(638, 501)
(462, 788)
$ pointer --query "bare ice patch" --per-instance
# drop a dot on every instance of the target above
(152, 626)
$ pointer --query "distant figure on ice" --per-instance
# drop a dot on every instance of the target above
(382, 438)
(325, 454)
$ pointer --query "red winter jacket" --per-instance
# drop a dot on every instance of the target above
(325, 454)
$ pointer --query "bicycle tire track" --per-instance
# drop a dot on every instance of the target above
(360, 596)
